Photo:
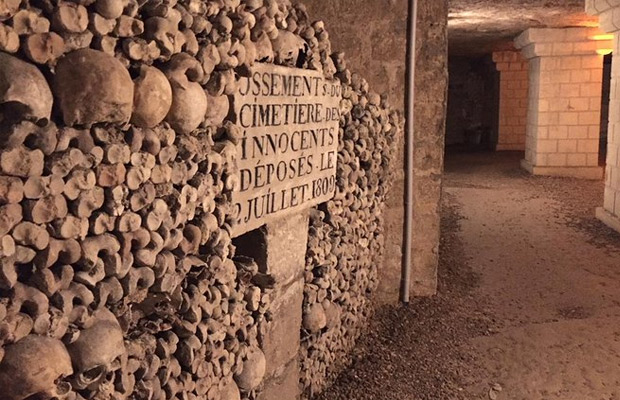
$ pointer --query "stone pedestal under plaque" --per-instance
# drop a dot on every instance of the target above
(287, 154)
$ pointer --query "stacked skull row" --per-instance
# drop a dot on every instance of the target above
(346, 242)
(118, 277)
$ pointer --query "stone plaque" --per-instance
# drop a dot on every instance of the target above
(288, 150)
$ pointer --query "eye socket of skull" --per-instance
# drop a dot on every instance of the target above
(61, 391)
(88, 379)
(94, 373)
(12, 112)
(63, 388)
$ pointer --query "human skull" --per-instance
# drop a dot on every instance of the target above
(230, 391)
(264, 49)
(253, 371)
(32, 367)
(96, 351)
(289, 49)
(189, 101)
(92, 87)
(24, 92)
(152, 98)
(219, 107)
(314, 318)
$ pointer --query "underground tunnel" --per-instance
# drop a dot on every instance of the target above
(276, 199)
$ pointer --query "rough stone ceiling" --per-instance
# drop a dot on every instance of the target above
(479, 27)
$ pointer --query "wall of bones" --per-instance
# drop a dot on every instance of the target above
(118, 276)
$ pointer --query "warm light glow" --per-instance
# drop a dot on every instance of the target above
(604, 52)
(602, 37)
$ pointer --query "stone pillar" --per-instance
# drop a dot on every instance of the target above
(286, 243)
(279, 249)
(431, 98)
(514, 82)
(564, 109)
(609, 14)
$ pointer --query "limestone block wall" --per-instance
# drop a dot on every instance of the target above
(612, 174)
(118, 274)
(568, 121)
(513, 100)
(609, 14)
(564, 109)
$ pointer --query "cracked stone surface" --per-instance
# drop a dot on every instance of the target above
(479, 27)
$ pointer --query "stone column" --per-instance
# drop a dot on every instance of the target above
(431, 86)
(279, 249)
(286, 242)
(514, 82)
(609, 14)
(564, 109)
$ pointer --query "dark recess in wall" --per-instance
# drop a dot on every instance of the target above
(605, 108)
(473, 103)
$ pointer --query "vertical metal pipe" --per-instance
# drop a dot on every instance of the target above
(410, 126)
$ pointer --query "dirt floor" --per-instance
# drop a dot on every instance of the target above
(529, 303)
